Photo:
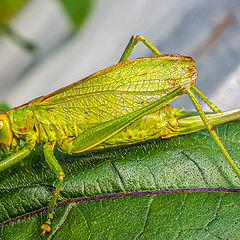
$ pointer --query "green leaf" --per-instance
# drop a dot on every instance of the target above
(77, 10)
(186, 162)
(8, 8)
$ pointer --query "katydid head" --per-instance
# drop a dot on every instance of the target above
(6, 134)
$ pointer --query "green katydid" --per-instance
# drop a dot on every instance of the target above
(122, 104)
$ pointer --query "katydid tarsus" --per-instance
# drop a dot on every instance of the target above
(122, 104)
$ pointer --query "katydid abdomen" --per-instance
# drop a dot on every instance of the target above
(160, 123)
(164, 123)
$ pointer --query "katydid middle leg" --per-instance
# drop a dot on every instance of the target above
(53, 163)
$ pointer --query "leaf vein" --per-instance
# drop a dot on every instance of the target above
(118, 175)
(146, 217)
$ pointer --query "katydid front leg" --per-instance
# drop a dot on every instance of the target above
(17, 156)
(55, 166)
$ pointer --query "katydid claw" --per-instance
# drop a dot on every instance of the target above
(46, 228)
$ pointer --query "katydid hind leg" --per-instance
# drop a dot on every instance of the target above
(132, 42)
(213, 133)
(101, 132)
(205, 99)
(53, 163)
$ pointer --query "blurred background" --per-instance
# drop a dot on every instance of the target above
(47, 44)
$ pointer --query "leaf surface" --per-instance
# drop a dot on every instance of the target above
(187, 162)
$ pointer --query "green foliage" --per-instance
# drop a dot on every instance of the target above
(8, 8)
(77, 10)
(186, 162)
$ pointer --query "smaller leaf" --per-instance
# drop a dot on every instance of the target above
(77, 10)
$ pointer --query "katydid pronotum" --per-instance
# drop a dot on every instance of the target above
(109, 108)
